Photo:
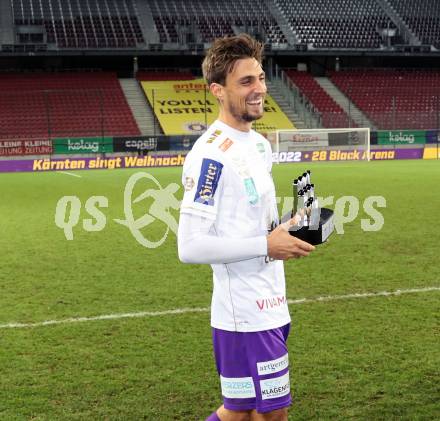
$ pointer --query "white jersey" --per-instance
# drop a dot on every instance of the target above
(227, 179)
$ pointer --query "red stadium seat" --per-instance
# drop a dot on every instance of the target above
(393, 99)
(63, 104)
(333, 116)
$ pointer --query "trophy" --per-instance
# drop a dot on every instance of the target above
(315, 224)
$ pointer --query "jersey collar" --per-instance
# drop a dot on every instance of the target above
(236, 134)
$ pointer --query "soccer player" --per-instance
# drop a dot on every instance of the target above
(227, 218)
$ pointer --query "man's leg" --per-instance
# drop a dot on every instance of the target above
(277, 415)
(254, 373)
(223, 414)
(237, 385)
(271, 373)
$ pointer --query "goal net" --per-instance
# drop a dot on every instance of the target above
(351, 144)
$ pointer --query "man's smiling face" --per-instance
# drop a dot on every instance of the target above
(242, 96)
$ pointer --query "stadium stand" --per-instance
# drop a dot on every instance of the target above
(163, 75)
(336, 23)
(332, 115)
(42, 105)
(394, 99)
(216, 18)
(159, 75)
(422, 16)
(390, 99)
(82, 23)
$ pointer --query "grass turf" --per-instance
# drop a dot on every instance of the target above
(363, 359)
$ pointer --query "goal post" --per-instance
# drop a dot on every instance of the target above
(345, 144)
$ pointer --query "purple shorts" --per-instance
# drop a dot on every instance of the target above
(253, 368)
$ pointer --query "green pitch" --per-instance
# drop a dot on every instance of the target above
(374, 358)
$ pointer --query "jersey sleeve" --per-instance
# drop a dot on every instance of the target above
(197, 244)
(202, 178)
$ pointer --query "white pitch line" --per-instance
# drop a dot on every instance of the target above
(70, 173)
(207, 309)
(363, 295)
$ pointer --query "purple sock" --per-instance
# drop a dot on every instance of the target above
(213, 417)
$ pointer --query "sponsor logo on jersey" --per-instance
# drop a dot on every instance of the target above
(214, 135)
(275, 388)
(226, 144)
(273, 366)
(271, 303)
(260, 147)
(208, 181)
(251, 190)
(237, 387)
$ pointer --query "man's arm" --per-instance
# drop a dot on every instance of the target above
(197, 244)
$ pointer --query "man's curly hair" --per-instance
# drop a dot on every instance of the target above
(223, 54)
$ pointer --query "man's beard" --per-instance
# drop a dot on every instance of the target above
(244, 115)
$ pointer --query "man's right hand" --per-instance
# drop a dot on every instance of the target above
(283, 246)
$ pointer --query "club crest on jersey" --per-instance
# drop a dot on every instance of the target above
(208, 181)
(189, 183)
(214, 135)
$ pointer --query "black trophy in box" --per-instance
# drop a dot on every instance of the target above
(315, 224)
